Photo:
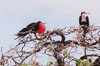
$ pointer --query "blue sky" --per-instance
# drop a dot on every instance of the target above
(16, 14)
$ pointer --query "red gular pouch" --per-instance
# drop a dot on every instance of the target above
(42, 28)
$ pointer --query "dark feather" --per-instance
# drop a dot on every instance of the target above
(22, 35)
(32, 26)
(84, 23)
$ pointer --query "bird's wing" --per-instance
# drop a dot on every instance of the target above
(80, 20)
(21, 34)
(23, 30)
(87, 19)
(30, 26)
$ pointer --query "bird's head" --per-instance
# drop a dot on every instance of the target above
(39, 22)
(83, 13)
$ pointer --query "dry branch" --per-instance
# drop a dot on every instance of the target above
(45, 42)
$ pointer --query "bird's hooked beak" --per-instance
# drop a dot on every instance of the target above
(88, 13)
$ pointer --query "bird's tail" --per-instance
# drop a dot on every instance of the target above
(20, 36)
(17, 36)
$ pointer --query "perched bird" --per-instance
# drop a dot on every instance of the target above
(84, 21)
(37, 27)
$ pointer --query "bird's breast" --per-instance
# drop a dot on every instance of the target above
(42, 28)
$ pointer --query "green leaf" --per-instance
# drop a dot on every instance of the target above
(65, 52)
(51, 48)
(69, 57)
(49, 63)
(24, 64)
(79, 60)
(84, 63)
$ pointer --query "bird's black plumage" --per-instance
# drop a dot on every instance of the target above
(84, 21)
(33, 26)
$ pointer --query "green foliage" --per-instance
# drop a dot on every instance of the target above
(51, 48)
(24, 64)
(27, 64)
(69, 57)
(66, 53)
(84, 63)
(49, 63)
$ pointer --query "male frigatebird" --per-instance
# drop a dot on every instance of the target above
(37, 27)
